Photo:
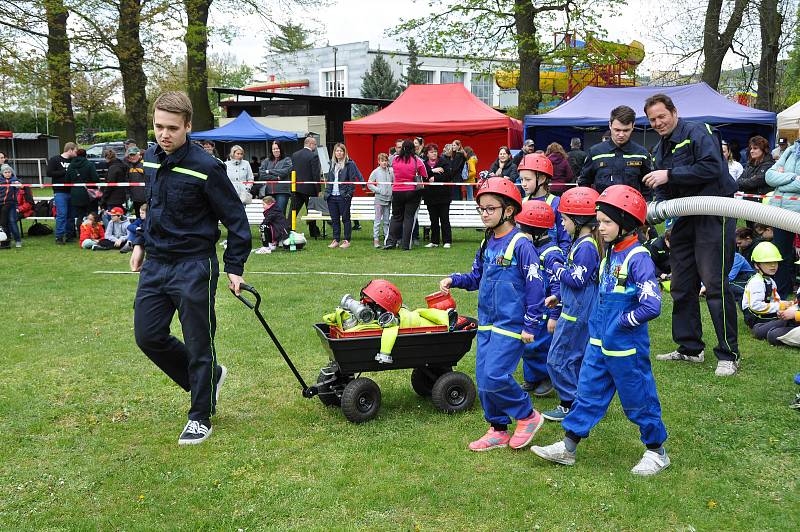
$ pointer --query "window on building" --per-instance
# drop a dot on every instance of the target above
(481, 87)
(452, 77)
(334, 86)
(427, 76)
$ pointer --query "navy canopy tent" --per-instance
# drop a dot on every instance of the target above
(586, 115)
(244, 129)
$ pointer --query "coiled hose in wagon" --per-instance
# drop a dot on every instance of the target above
(769, 215)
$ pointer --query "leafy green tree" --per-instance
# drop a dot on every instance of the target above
(791, 77)
(413, 75)
(378, 82)
(292, 37)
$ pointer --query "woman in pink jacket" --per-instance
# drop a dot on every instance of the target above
(405, 196)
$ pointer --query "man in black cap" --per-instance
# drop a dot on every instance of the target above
(527, 147)
(780, 148)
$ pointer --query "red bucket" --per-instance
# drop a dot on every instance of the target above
(440, 300)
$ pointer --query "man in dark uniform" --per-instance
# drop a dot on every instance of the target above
(619, 160)
(306, 165)
(188, 194)
(690, 163)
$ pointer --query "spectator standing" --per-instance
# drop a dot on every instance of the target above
(472, 171)
(689, 161)
(562, 171)
(617, 160)
(339, 195)
(380, 182)
(527, 147)
(239, 172)
(754, 178)
(62, 198)
(277, 167)
(117, 173)
(80, 170)
(419, 147)
(306, 165)
(785, 177)
(458, 161)
(504, 166)
(438, 198)
(133, 158)
(575, 156)
(8, 202)
(22, 199)
(406, 196)
(734, 167)
(254, 165)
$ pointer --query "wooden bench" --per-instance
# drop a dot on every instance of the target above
(462, 213)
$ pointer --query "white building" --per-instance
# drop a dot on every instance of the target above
(312, 72)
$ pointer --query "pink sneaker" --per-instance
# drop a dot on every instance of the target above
(526, 430)
(334, 244)
(493, 439)
(345, 244)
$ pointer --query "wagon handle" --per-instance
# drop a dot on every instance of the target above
(247, 288)
(307, 392)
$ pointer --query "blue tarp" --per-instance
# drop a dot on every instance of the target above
(592, 106)
(243, 128)
(697, 101)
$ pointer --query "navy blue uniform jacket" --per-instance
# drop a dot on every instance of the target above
(608, 164)
(188, 194)
(693, 155)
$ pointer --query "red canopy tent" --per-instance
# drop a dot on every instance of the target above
(440, 114)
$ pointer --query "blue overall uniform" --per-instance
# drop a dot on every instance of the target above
(578, 283)
(558, 234)
(188, 193)
(608, 164)
(510, 301)
(617, 358)
(534, 358)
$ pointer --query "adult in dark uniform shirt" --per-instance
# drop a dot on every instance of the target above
(188, 194)
(307, 168)
(689, 163)
(618, 160)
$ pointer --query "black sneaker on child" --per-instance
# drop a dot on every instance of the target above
(195, 432)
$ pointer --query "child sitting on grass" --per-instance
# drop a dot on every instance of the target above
(133, 227)
(274, 228)
(761, 302)
(510, 309)
(617, 358)
(92, 232)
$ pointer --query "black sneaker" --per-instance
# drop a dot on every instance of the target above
(195, 432)
(60, 241)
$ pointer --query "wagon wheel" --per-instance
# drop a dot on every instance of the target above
(423, 379)
(361, 400)
(327, 392)
(453, 392)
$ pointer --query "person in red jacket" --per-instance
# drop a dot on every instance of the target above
(91, 232)
(562, 171)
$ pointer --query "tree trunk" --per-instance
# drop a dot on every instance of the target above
(771, 21)
(530, 58)
(716, 44)
(196, 63)
(58, 69)
(130, 54)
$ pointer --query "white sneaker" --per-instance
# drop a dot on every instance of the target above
(446, 246)
(726, 368)
(675, 355)
(18, 244)
(651, 463)
(263, 250)
(220, 381)
(431, 245)
(556, 452)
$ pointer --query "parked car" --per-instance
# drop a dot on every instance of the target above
(95, 152)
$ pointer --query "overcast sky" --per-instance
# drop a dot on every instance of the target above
(348, 21)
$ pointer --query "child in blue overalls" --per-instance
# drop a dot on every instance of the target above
(536, 220)
(510, 309)
(535, 171)
(617, 358)
(577, 279)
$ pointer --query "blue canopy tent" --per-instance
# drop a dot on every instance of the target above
(243, 129)
(586, 115)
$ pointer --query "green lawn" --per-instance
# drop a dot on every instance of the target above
(88, 425)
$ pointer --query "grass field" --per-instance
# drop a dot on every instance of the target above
(88, 425)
